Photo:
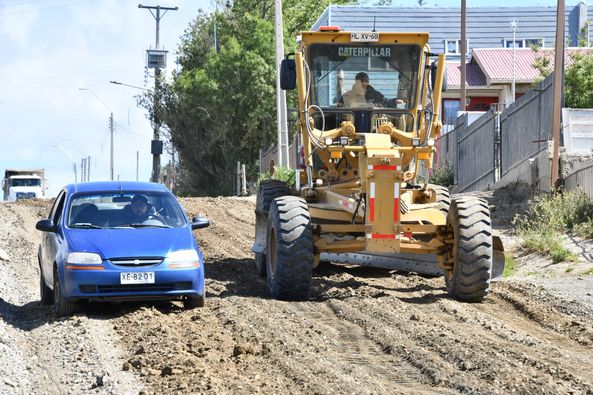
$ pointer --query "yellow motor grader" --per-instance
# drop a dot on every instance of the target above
(369, 106)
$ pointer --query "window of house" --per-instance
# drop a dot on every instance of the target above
(524, 43)
(453, 47)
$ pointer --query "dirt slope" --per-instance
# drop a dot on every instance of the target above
(364, 331)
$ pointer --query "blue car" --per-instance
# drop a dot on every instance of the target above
(119, 241)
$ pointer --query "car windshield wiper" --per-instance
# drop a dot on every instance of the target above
(85, 225)
(147, 226)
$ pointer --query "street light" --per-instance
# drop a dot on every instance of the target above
(85, 165)
(514, 27)
(110, 129)
(71, 158)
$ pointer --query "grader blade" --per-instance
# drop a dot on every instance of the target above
(422, 264)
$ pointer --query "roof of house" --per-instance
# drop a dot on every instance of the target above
(474, 77)
(497, 63)
(487, 27)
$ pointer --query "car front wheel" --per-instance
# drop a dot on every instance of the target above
(62, 307)
(45, 293)
(192, 302)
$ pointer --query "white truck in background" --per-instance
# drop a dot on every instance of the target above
(23, 184)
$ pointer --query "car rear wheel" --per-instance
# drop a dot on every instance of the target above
(45, 293)
(62, 307)
(192, 302)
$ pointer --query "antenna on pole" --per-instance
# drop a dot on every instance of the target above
(374, 24)
(157, 60)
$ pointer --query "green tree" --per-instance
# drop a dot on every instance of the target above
(221, 107)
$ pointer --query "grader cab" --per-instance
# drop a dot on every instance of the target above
(369, 106)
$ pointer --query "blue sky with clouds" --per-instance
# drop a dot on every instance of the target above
(52, 48)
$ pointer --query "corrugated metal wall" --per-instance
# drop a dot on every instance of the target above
(487, 27)
(475, 158)
(526, 125)
(581, 179)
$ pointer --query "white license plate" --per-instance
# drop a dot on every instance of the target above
(136, 277)
(364, 37)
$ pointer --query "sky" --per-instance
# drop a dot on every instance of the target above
(58, 57)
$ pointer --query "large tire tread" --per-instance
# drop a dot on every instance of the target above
(291, 276)
(268, 190)
(469, 281)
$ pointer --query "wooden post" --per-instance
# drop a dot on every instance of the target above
(558, 77)
(243, 181)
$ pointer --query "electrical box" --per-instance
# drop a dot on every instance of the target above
(156, 147)
(156, 58)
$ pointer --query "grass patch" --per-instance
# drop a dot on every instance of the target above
(551, 216)
(569, 269)
(587, 273)
(561, 254)
(509, 266)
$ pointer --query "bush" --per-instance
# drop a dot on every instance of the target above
(282, 173)
(442, 175)
(549, 217)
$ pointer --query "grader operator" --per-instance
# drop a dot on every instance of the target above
(369, 106)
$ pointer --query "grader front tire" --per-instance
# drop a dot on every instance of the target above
(289, 249)
(267, 191)
(471, 253)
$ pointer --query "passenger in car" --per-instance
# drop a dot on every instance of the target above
(88, 213)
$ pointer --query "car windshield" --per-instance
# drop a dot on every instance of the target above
(137, 209)
(364, 75)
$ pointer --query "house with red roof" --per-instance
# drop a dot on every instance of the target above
(490, 74)
(490, 43)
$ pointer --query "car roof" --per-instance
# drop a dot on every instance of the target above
(100, 186)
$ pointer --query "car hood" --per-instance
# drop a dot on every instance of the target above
(131, 242)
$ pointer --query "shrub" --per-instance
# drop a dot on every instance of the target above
(282, 173)
(442, 175)
(550, 216)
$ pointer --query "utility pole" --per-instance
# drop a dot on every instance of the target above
(514, 27)
(280, 94)
(156, 147)
(558, 85)
(463, 98)
(111, 148)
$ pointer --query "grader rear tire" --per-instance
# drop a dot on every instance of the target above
(267, 191)
(469, 279)
(289, 248)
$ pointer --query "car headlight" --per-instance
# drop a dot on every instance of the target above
(84, 261)
(183, 259)
(84, 258)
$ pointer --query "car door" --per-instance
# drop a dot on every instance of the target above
(51, 241)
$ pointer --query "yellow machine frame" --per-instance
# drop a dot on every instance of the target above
(395, 219)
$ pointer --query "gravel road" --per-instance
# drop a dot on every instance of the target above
(364, 331)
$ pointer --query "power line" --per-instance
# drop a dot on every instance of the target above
(49, 8)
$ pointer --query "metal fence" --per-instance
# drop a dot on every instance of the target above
(486, 150)
(526, 126)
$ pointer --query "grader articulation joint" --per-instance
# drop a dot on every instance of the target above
(369, 107)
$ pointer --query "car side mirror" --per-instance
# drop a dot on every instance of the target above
(45, 225)
(200, 222)
(433, 77)
(288, 73)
